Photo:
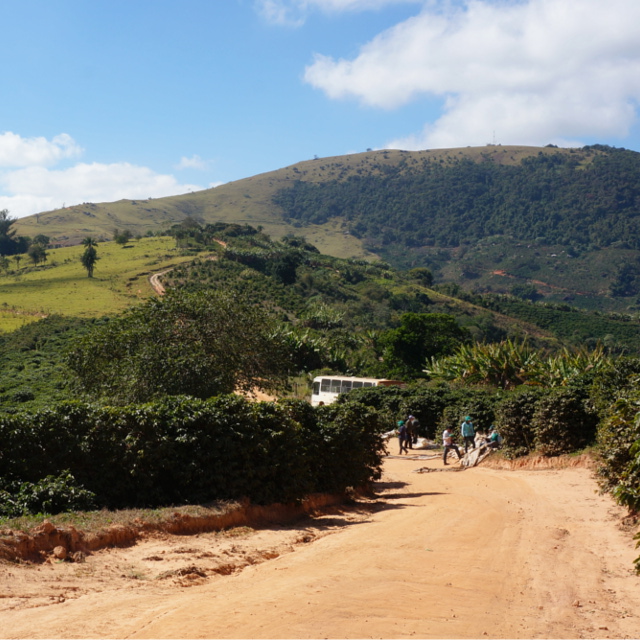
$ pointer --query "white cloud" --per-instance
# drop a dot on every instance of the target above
(16, 151)
(29, 185)
(532, 71)
(34, 189)
(194, 162)
(294, 12)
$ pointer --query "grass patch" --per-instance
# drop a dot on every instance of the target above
(12, 319)
(121, 279)
(93, 521)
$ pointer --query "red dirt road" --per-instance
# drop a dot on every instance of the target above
(473, 554)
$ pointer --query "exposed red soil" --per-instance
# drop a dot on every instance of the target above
(485, 552)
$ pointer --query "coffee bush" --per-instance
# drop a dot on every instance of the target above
(563, 422)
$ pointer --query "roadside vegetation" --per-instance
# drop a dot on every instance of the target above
(131, 408)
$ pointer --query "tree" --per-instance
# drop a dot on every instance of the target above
(419, 337)
(627, 281)
(10, 244)
(283, 266)
(526, 292)
(41, 239)
(37, 254)
(122, 237)
(422, 275)
(90, 255)
(200, 344)
(6, 232)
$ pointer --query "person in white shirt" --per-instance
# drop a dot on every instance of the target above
(448, 444)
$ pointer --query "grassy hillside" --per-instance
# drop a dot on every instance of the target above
(61, 286)
(488, 218)
(250, 201)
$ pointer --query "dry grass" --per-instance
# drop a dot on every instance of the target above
(94, 521)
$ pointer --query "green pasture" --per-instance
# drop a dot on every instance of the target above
(10, 320)
(61, 286)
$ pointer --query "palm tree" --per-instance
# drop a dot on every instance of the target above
(90, 255)
(7, 240)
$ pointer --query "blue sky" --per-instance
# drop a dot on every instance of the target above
(110, 99)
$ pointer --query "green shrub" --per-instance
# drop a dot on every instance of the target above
(23, 395)
(619, 450)
(514, 419)
(427, 405)
(480, 404)
(563, 422)
(387, 401)
(185, 450)
(51, 495)
(352, 446)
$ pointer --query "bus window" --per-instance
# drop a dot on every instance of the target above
(326, 385)
(335, 386)
(367, 384)
(357, 384)
(316, 388)
(346, 386)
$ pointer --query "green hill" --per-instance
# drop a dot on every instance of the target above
(334, 313)
(563, 221)
(249, 201)
(61, 285)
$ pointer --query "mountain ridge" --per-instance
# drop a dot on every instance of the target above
(370, 206)
(233, 201)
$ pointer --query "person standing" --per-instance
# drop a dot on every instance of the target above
(411, 431)
(448, 443)
(468, 433)
(415, 427)
(402, 437)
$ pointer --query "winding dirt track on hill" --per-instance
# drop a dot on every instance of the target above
(156, 284)
(485, 552)
(154, 278)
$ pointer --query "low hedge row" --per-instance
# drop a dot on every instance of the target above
(184, 450)
(550, 422)
(619, 449)
(547, 421)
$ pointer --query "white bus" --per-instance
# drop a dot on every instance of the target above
(327, 388)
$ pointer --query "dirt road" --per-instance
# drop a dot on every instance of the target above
(473, 554)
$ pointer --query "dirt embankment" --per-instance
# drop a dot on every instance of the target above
(68, 543)
(487, 552)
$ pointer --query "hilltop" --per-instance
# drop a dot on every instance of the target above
(250, 201)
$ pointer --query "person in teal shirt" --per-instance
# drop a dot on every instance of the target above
(468, 433)
(495, 439)
(402, 437)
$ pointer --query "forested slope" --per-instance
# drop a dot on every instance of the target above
(582, 199)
